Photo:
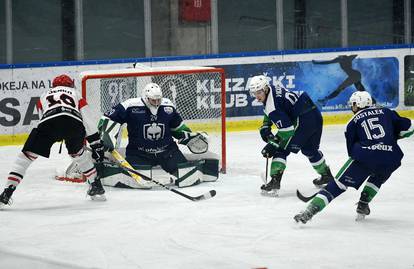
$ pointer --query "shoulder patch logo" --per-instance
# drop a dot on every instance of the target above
(168, 109)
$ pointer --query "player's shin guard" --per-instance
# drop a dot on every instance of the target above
(319, 164)
(19, 168)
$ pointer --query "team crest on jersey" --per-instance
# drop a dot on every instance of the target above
(168, 110)
(154, 131)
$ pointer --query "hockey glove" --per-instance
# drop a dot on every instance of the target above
(98, 149)
(405, 134)
(270, 149)
(266, 133)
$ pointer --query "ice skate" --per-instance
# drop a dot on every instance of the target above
(272, 188)
(363, 207)
(323, 179)
(306, 215)
(5, 197)
(96, 191)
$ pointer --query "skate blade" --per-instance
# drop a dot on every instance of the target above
(360, 217)
(2, 206)
(98, 197)
(272, 193)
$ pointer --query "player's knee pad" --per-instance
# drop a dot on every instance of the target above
(314, 156)
(333, 189)
(376, 181)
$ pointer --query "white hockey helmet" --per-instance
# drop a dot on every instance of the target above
(361, 99)
(152, 94)
(258, 83)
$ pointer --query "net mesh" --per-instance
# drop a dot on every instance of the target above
(196, 93)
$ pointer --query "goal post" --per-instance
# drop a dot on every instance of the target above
(197, 92)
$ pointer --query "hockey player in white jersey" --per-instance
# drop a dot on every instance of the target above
(63, 116)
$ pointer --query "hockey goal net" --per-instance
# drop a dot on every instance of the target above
(197, 92)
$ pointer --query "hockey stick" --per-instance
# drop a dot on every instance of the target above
(263, 176)
(305, 198)
(125, 164)
(122, 163)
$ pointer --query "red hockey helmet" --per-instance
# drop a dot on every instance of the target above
(63, 80)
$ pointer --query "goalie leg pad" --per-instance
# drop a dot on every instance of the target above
(112, 175)
(189, 174)
(85, 164)
(194, 172)
(210, 170)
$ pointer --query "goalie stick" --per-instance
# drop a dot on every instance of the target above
(122, 163)
(305, 198)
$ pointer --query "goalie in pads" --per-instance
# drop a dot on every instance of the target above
(152, 123)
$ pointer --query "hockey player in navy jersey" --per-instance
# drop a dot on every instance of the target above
(371, 140)
(64, 116)
(154, 125)
(299, 124)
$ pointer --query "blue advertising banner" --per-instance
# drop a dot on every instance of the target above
(329, 83)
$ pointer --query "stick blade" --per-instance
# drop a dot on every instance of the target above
(304, 198)
(205, 196)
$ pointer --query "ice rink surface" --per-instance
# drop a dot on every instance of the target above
(52, 224)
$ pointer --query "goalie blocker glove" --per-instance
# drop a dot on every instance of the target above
(109, 131)
(197, 143)
(98, 149)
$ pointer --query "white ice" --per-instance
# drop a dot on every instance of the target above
(53, 225)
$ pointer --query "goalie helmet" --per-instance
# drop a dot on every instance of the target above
(361, 99)
(63, 80)
(152, 96)
(152, 92)
(258, 83)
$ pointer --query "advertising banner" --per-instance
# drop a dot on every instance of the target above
(329, 83)
(409, 80)
(328, 78)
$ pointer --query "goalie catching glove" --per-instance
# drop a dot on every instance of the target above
(197, 143)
